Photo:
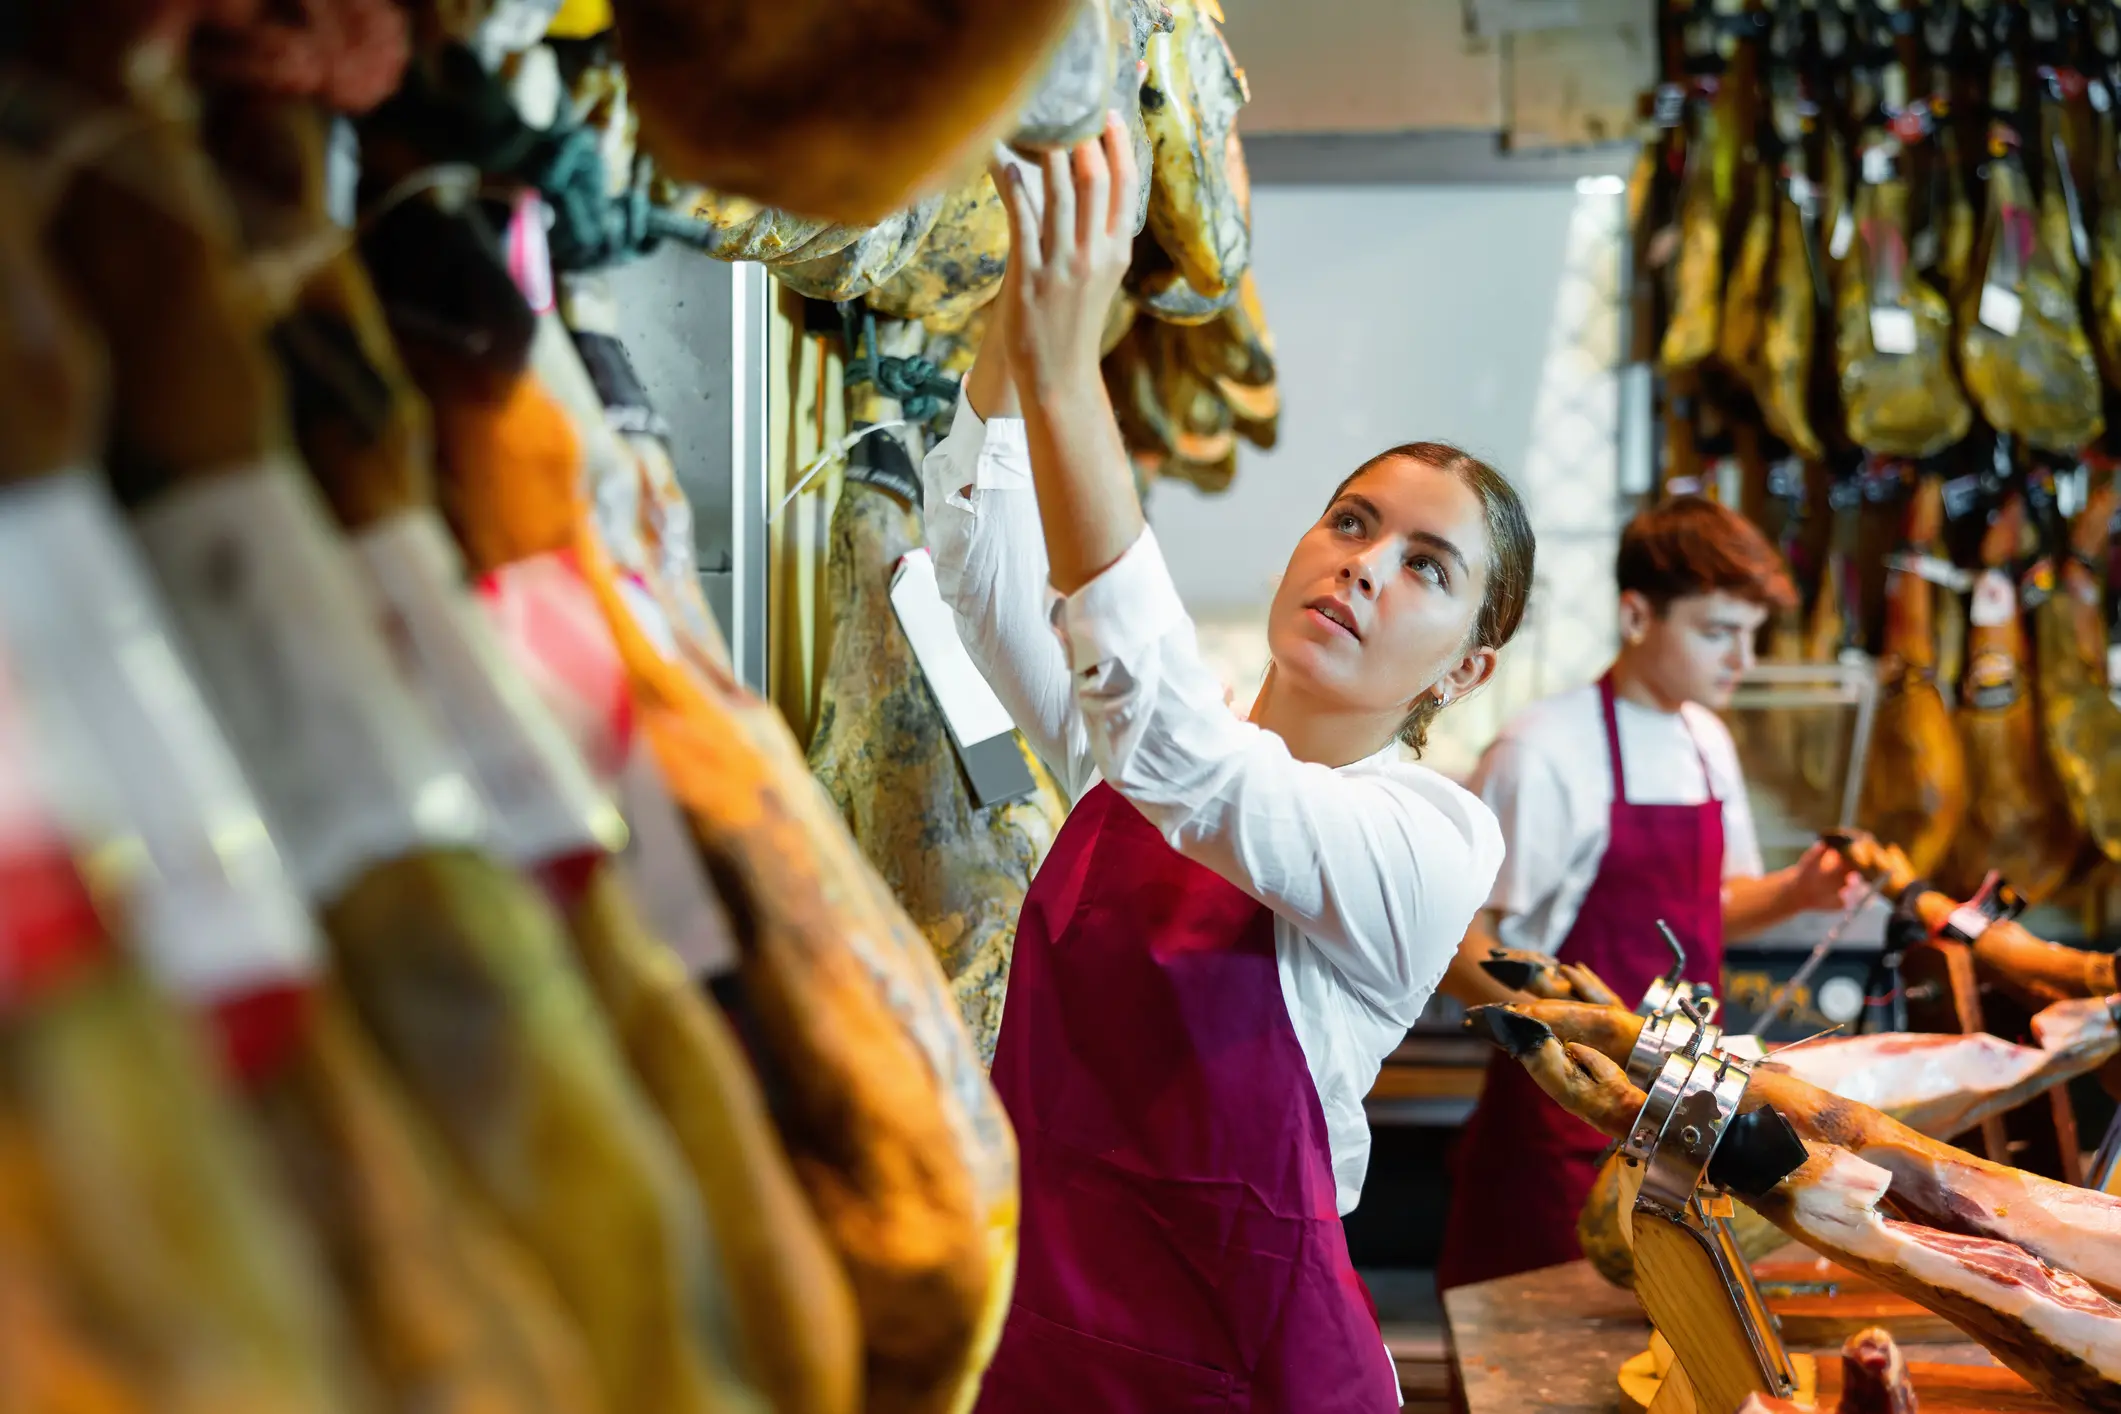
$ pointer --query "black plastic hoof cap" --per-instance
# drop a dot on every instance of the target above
(1513, 972)
(1517, 1034)
(1758, 1151)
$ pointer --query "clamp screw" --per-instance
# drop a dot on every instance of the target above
(1691, 1138)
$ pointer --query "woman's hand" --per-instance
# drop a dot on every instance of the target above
(1065, 269)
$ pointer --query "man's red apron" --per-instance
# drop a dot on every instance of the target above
(1525, 1165)
(1181, 1248)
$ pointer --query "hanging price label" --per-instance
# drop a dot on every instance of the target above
(1844, 235)
(1893, 330)
(1995, 601)
(2002, 310)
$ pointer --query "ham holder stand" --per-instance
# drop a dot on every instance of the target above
(1943, 996)
(1715, 1339)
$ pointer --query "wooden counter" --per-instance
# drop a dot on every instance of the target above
(1548, 1340)
(1554, 1341)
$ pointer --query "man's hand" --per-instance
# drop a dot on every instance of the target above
(1065, 268)
(1820, 881)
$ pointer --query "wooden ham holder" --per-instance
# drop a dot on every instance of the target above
(1689, 1275)
(1715, 1339)
(1945, 997)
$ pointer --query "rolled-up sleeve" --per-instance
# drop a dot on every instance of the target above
(991, 569)
(1380, 866)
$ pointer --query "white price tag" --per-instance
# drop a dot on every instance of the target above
(2001, 310)
(544, 805)
(1935, 569)
(1844, 235)
(1995, 600)
(288, 643)
(2101, 99)
(1892, 330)
(1877, 165)
(974, 713)
(142, 779)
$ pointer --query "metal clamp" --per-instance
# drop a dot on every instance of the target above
(1667, 992)
(1691, 1102)
(1994, 902)
(1684, 1029)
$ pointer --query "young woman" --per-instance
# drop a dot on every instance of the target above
(1239, 919)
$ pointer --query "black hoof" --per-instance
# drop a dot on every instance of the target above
(1512, 972)
(1517, 1034)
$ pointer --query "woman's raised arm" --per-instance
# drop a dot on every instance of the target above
(990, 561)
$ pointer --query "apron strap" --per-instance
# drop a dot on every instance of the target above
(1607, 702)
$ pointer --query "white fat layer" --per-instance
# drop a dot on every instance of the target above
(2076, 1229)
(1836, 1210)
(1945, 1085)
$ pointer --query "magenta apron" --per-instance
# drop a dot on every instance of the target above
(1525, 1165)
(1181, 1246)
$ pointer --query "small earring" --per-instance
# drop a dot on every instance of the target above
(1443, 698)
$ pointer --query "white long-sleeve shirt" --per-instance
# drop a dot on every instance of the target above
(1373, 870)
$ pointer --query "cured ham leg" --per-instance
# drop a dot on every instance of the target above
(1914, 788)
(1946, 1085)
(1946, 1188)
(2033, 970)
(2049, 1326)
(1199, 204)
(2018, 818)
(2083, 724)
(836, 111)
(883, 752)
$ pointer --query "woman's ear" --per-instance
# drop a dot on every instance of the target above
(1465, 675)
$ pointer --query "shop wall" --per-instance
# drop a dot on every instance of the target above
(1485, 314)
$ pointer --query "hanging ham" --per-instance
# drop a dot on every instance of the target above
(884, 754)
(2018, 818)
(1914, 786)
(844, 114)
(2023, 348)
(1892, 333)
(1199, 203)
(960, 264)
(2081, 720)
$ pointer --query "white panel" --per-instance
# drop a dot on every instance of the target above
(1485, 316)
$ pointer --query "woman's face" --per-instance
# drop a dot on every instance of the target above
(1380, 597)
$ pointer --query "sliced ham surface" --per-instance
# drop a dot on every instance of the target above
(1946, 1085)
